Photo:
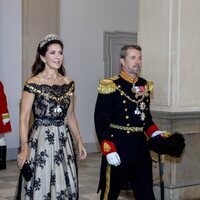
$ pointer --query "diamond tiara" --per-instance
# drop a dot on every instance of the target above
(48, 38)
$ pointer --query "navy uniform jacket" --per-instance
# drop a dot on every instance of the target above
(120, 108)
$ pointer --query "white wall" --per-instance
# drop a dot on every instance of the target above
(10, 63)
(169, 35)
(82, 26)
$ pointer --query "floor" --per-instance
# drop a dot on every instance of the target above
(88, 180)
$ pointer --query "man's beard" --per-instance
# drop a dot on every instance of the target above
(135, 70)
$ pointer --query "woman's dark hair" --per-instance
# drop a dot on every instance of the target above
(38, 65)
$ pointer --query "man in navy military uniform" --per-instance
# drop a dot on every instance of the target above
(123, 123)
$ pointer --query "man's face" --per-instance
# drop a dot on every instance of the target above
(132, 63)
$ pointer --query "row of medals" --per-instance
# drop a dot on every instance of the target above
(142, 106)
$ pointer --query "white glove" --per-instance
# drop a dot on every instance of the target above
(113, 159)
(157, 133)
(2, 141)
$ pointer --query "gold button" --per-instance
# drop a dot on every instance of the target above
(128, 132)
(121, 94)
(126, 109)
(124, 101)
(127, 117)
(127, 124)
(111, 136)
(119, 86)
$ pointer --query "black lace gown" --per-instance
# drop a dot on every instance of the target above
(52, 156)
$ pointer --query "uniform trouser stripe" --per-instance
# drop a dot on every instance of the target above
(107, 189)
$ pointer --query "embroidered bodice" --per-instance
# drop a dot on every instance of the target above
(51, 102)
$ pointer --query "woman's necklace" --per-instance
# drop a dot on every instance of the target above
(50, 78)
(58, 108)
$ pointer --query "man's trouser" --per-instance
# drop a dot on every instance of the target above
(3, 157)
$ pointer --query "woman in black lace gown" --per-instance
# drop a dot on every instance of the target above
(48, 146)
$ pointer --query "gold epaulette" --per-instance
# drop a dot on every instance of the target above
(106, 86)
(114, 78)
(150, 86)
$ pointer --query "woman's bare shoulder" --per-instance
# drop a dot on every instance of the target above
(34, 79)
(67, 79)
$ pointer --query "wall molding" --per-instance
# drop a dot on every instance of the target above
(113, 41)
(176, 115)
(182, 176)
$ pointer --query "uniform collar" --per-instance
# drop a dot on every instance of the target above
(128, 78)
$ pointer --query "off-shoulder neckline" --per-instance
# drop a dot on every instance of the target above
(54, 85)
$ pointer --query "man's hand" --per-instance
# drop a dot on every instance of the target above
(113, 159)
(161, 133)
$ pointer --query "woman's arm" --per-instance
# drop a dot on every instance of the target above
(73, 125)
(26, 106)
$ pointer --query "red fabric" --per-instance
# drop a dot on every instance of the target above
(107, 147)
(151, 130)
(3, 110)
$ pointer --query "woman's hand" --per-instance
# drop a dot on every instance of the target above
(81, 150)
(23, 155)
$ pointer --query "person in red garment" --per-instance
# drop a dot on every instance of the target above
(5, 126)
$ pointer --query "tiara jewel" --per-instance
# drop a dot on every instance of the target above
(48, 38)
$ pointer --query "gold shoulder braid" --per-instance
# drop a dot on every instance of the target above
(150, 86)
(107, 86)
(114, 78)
